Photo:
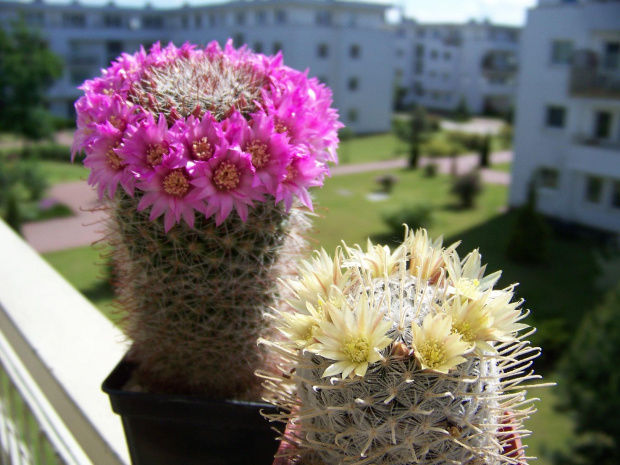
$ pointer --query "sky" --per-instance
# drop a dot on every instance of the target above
(510, 12)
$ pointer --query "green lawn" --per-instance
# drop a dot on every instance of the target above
(505, 167)
(365, 149)
(57, 171)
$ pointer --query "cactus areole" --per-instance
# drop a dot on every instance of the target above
(203, 158)
(405, 356)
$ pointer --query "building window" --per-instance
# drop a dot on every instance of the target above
(277, 47)
(73, 20)
(323, 79)
(212, 20)
(419, 67)
(611, 57)
(353, 115)
(198, 21)
(323, 18)
(556, 116)
(615, 195)
(78, 76)
(354, 51)
(561, 52)
(112, 21)
(238, 39)
(240, 18)
(184, 22)
(602, 125)
(447, 56)
(548, 178)
(280, 16)
(322, 51)
(353, 84)
(153, 22)
(419, 50)
(434, 54)
(261, 17)
(594, 189)
(258, 47)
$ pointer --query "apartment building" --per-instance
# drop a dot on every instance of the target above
(568, 112)
(444, 64)
(347, 45)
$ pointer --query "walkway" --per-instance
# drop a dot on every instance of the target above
(85, 227)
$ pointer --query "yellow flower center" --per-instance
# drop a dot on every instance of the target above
(176, 183)
(279, 126)
(202, 149)
(357, 348)
(433, 353)
(464, 329)
(260, 155)
(468, 288)
(118, 123)
(155, 154)
(226, 176)
(114, 161)
(291, 173)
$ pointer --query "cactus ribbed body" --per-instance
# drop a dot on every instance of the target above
(195, 297)
(428, 373)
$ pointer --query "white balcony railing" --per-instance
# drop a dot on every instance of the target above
(55, 350)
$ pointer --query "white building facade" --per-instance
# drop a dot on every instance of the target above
(568, 112)
(443, 65)
(347, 45)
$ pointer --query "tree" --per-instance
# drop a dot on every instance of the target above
(28, 69)
(589, 385)
(485, 150)
(461, 112)
(418, 133)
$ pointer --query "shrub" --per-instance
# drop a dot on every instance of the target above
(414, 216)
(430, 170)
(466, 187)
(506, 133)
(590, 385)
(468, 140)
(386, 182)
(530, 234)
(438, 147)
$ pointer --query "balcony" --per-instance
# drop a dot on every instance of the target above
(55, 350)
(589, 79)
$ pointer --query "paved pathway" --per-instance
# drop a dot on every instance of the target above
(85, 227)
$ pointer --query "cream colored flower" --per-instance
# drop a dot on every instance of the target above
(353, 338)
(467, 277)
(472, 320)
(426, 257)
(300, 328)
(379, 260)
(316, 280)
(436, 347)
(506, 315)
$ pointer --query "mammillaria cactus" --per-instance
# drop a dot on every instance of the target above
(401, 357)
(214, 151)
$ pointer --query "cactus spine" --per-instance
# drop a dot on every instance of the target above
(412, 357)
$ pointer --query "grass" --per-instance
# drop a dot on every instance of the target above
(84, 268)
(504, 167)
(58, 171)
(346, 213)
(366, 149)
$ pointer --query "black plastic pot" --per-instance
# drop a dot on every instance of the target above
(169, 429)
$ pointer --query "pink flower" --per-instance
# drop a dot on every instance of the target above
(200, 137)
(148, 144)
(302, 173)
(168, 190)
(108, 168)
(225, 182)
(269, 151)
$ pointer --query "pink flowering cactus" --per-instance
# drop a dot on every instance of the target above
(204, 159)
(269, 143)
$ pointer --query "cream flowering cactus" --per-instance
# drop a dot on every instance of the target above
(401, 357)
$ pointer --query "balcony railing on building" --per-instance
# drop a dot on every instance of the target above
(592, 77)
(55, 350)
